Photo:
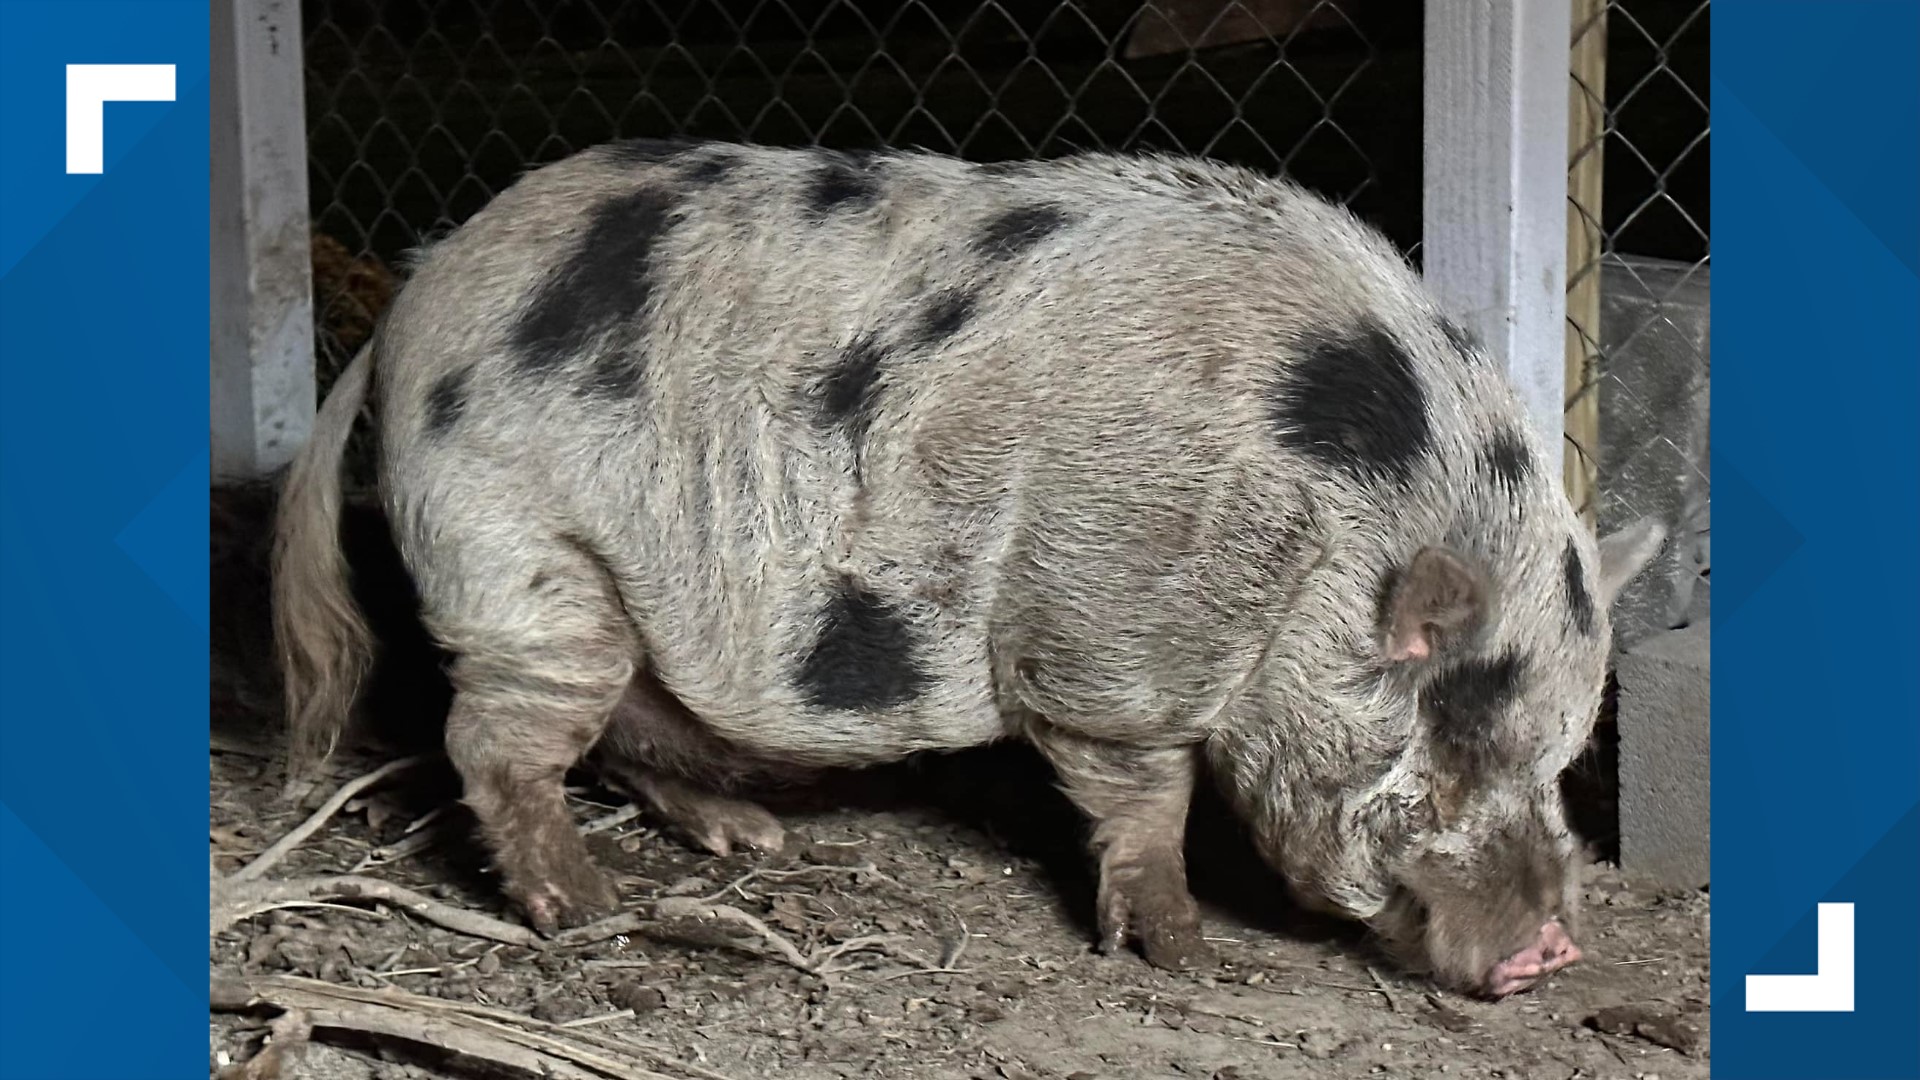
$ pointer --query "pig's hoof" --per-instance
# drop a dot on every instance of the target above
(1176, 948)
(715, 823)
(721, 825)
(1165, 921)
(552, 907)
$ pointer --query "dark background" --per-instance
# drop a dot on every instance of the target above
(419, 111)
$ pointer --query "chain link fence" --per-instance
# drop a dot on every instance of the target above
(1637, 326)
(420, 111)
(1638, 283)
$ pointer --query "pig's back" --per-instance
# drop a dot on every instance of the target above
(873, 448)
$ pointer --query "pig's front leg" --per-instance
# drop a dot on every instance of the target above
(1138, 801)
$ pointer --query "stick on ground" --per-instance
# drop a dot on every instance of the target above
(285, 845)
(682, 907)
(505, 1039)
(231, 901)
(670, 908)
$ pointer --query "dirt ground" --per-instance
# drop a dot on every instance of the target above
(929, 920)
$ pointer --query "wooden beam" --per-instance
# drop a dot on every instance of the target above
(1587, 142)
(1494, 242)
(262, 303)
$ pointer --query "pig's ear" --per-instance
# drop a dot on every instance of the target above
(1434, 600)
(1627, 552)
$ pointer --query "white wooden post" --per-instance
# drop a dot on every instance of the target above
(262, 317)
(1494, 242)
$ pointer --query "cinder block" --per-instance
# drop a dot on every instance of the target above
(1654, 425)
(1665, 707)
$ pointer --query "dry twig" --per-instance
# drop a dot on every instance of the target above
(231, 901)
(614, 820)
(589, 1021)
(682, 907)
(285, 845)
(613, 926)
(669, 909)
(959, 948)
(823, 960)
(400, 849)
(502, 1038)
(1393, 1004)
(737, 884)
(926, 971)
(415, 840)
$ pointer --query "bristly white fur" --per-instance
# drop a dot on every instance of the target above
(1078, 504)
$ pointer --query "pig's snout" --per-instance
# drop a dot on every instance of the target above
(1549, 952)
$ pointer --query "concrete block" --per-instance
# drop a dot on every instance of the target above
(1654, 426)
(1665, 710)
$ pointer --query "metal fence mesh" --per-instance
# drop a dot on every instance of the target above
(419, 112)
(1638, 276)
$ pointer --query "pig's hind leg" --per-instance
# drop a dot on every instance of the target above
(659, 752)
(714, 822)
(543, 654)
(1138, 801)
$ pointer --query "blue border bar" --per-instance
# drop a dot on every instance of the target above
(1816, 755)
(103, 466)
(103, 547)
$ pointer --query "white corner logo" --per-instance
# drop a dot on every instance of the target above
(1829, 988)
(89, 88)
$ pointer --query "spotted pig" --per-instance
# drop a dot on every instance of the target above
(718, 464)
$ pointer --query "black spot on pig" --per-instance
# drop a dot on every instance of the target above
(604, 282)
(710, 168)
(843, 180)
(947, 313)
(692, 159)
(1579, 601)
(848, 393)
(1506, 458)
(615, 376)
(1464, 701)
(447, 399)
(1354, 402)
(863, 659)
(1010, 233)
